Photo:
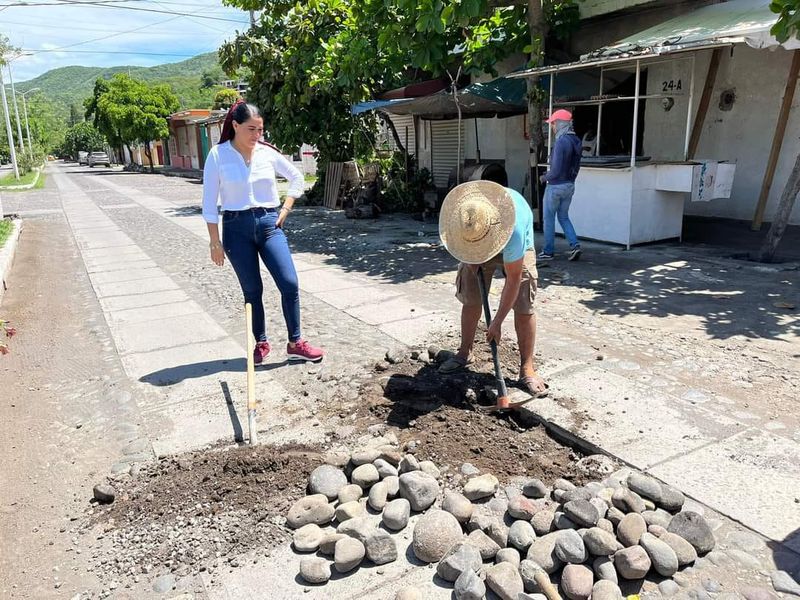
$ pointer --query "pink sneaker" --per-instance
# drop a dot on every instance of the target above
(302, 350)
(261, 352)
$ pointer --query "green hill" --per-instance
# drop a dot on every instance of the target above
(71, 85)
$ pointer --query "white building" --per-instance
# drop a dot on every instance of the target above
(738, 127)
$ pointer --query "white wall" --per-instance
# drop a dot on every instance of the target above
(742, 135)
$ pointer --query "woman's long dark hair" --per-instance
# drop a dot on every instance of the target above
(240, 112)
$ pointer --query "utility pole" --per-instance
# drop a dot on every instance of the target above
(252, 18)
(9, 131)
(16, 111)
(27, 124)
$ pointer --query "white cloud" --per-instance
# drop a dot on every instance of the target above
(59, 36)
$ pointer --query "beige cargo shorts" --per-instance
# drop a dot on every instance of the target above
(468, 291)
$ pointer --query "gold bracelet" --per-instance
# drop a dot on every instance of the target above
(215, 245)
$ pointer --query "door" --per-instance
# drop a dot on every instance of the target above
(447, 149)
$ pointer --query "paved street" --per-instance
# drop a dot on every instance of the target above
(675, 359)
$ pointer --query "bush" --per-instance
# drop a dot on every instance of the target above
(403, 191)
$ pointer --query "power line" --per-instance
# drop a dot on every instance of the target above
(115, 52)
(105, 37)
(105, 4)
(71, 28)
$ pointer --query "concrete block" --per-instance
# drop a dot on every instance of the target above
(172, 332)
(119, 303)
(753, 477)
(143, 286)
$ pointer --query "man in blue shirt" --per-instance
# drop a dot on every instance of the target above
(565, 162)
(484, 224)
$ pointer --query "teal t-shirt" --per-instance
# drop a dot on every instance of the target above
(522, 235)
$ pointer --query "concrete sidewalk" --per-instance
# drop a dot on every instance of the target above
(677, 360)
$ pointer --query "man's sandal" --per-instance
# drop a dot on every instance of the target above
(454, 364)
(531, 383)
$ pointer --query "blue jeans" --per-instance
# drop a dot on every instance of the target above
(557, 199)
(248, 234)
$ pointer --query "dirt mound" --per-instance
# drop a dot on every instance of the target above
(182, 514)
(441, 417)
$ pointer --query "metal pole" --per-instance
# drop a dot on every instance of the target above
(550, 129)
(251, 376)
(689, 112)
(599, 115)
(635, 114)
(16, 110)
(9, 131)
(27, 125)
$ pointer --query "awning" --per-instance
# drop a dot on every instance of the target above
(736, 21)
(501, 97)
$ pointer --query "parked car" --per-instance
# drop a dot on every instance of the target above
(99, 158)
(83, 158)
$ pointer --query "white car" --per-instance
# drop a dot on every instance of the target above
(83, 158)
(99, 158)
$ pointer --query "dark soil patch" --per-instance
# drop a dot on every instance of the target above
(182, 514)
(444, 415)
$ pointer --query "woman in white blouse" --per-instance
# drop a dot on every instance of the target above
(239, 175)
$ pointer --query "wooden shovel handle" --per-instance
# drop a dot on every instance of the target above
(542, 579)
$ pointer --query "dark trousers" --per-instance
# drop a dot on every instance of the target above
(248, 234)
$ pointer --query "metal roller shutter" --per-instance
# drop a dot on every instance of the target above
(444, 149)
(403, 123)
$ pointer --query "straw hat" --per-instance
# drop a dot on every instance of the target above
(476, 221)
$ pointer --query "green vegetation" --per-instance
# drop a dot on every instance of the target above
(309, 62)
(82, 137)
(5, 230)
(128, 110)
(69, 86)
(225, 98)
(10, 180)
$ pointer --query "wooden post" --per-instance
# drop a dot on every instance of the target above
(251, 377)
(777, 141)
(705, 100)
(781, 220)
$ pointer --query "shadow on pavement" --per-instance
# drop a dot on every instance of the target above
(725, 298)
(389, 247)
(788, 560)
(173, 375)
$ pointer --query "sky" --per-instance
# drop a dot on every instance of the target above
(60, 33)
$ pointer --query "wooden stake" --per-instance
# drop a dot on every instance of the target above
(777, 141)
(251, 375)
(705, 100)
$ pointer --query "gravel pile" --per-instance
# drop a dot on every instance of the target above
(510, 540)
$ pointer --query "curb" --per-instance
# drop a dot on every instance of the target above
(27, 186)
(7, 254)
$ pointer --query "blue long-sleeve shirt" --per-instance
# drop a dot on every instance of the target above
(565, 161)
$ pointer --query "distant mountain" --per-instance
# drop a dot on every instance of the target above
(71, 85)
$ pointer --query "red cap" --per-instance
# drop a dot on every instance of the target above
(560, 115)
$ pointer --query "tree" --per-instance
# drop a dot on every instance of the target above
(787, 26)
(225, 98)
(75, 115)
(83, 137)
(133, 111)
(46, 125)
(311, 61)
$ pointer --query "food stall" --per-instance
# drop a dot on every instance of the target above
(622, 195)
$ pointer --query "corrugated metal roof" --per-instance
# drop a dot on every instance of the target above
(747, 21)
(733, 22)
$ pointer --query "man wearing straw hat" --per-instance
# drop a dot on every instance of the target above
(488, 226)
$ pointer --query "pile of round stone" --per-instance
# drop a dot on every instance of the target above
(590, 538)
(380, 478)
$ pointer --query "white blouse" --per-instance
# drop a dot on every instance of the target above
(229, 182)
